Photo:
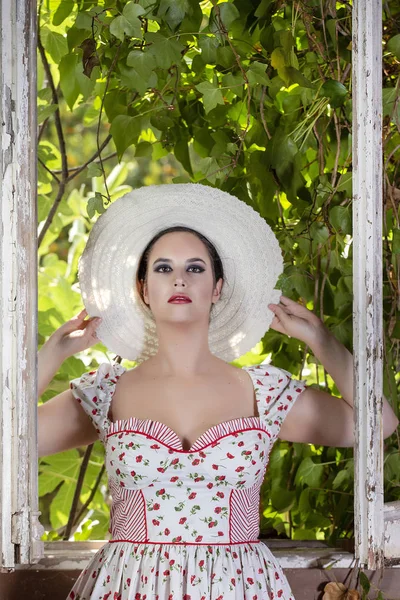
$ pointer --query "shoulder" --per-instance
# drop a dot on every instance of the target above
(106, 373)
(266, 373)
(274, 383)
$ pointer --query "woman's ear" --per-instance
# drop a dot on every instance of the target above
(143, 291)
(218, 288)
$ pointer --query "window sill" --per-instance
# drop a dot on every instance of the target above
(291, 554)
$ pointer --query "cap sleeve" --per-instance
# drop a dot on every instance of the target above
(276, 393)
(94, 390)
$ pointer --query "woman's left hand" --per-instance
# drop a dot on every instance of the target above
(296, 321)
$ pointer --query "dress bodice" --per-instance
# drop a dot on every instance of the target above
(209, 494)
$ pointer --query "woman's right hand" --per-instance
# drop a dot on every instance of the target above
(75, 335)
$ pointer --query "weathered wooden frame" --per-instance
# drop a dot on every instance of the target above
(20, 529)
(375, 525)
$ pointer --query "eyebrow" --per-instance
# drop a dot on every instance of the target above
(189, 260)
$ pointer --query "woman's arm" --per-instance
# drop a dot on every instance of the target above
(317, 417)
(62, 424)
(49, 362)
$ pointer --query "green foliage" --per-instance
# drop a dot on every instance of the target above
(254, 98)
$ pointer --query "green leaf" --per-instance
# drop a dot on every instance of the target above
(295, 76)
(44, 205)
(389, 97)
(128, 23)
(212, 95)
(335, 91)
(331, 27)
(121, 26)
(282, 499)
(364, 581)
(46, 111)
(181, 151)
(278, 58)
(304, 503)
(263, 8)
(393, 45)
(84, 20)
(283, 150)
(95, 204)
(166, 51)
(346, 184)
(63, 11)
(392, 464)
(208, 46)
(341, 478)
(162, 121)
(225, 57)
(228, 13)
(61, 505)
(45, 94)
(319, 232)
(396, 241)
(173, 11)
(315, 520)
(131, 12)
(125, 131)
(72, 368)
(57, 468)
(68, 80)
(309, 473)
(256, 73)
(142, 64)
(144, 149)
(54, 43)
(340, 218)
(94, 170)
(304, 534)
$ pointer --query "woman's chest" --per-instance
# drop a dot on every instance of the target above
(187, 408)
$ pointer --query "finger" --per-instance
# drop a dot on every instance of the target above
(294, 307)
(276, 325)
(274, 306)
(81, 315)
(286, 300)
(280, 313)
(93, 325)
(289, 302)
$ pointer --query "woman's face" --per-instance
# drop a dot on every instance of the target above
(179, 273)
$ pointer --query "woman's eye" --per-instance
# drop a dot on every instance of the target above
(199, 269)
(162, 267)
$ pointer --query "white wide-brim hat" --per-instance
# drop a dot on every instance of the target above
(249, 251)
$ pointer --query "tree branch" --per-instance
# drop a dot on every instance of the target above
(57, 117)
(77, 493)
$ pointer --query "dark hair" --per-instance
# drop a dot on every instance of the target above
(216, 263)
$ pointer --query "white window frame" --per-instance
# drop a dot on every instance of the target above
(20, 530)
(377, 526)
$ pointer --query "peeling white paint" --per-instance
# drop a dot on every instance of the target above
(367, 281)
(20, 530)
(367, 286)
(392, 529)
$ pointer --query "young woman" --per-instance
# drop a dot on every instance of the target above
(182, 277)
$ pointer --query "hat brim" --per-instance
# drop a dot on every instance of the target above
(249, 250)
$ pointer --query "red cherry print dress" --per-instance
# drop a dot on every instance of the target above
(184, 524)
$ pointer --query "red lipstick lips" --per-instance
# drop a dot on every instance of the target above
(179, 299)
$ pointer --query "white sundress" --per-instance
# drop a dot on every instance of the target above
(184, 525)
